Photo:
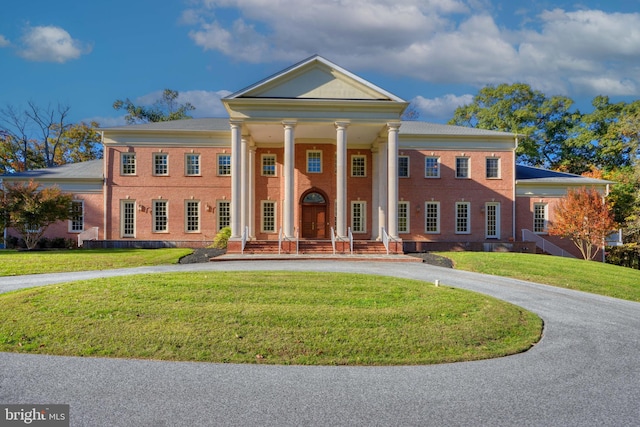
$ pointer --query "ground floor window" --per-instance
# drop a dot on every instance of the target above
(192, 216)
(224, 214)
(358, 217)
(128, 218)
(540, 217)
(160, 216)
(268, 215)
(76, 223)
(403, 217)
(463, 213)
(492, 215)
(432, 217)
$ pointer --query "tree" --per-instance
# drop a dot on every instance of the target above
(584, 217)
(545, 122)
(29, 210)
(163, 110)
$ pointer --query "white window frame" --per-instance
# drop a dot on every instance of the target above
(467, 167)
(361, 217)
(309, 152)
(544, 219)
(192, 164)
(156, 215)
(408, 174)
(128, 207)
(223, 169)
(459, 218)
(427, 217)
(437, 167)
(358, 171)
(76, 222)
(162, 165)
(265, 169)
(223, 214)
(128, 161)
(497, 168)
(189, 219)
(487, 208)
(407, 215)
(273, 216)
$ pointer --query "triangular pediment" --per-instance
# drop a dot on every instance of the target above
(315, 78)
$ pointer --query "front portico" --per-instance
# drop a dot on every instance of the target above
(314, 132)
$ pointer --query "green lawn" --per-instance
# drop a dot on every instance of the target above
(13, 263)
(587, 276)
(265, 317)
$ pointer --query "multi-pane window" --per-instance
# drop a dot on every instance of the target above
(192, 216)
(403, 166)
(128, 163)
(358, 217)
(492, 213)
(269, 165)
(224, 164)
(192, 164)
(432, 217)
(358, 166)
(314, 161)
(160, 216)
(462, 167)
(128, 218)
(493, 167)
(76, 223)
(160, 164)
(540, 218)
(268, 216)
(403, 217)
(431, 167)
(462, 218)
(224, 214)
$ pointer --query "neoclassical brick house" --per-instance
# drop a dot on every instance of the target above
(307, 152)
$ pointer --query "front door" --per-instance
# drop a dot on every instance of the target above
(314, 216)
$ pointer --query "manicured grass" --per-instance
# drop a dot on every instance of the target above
(587, 276)
(13, 263)
(265, 317)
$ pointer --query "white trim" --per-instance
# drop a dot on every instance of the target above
(321, 161)
(275, 164)
(487, 207)
(499, 167)
(187, 164)
(262, 216)
(468, 218)
(198, 217)
(154, 165)
(363, 216)
(407, 217)
(132, 155)
(82, 214)
(545, 218)
(364, 165)
(228, 214)
(408, 175)
(426, 217)
(123, 222)
(468, 175)
(154, 215)
(438, 167)
(228, 166)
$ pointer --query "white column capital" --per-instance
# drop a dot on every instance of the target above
(235, 123)
(393, 126)
(343, 124)
(289, 123)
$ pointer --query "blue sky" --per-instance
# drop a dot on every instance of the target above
(435, 53)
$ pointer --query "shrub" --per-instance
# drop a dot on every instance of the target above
(221, 239)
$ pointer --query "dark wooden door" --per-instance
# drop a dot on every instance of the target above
(314, 220)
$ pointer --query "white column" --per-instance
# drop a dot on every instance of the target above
(236, 172)
(392, 151)
(341, 178)
(382, 187)
(375, 183)
(244, 182)
(289, 169)
(252, 190)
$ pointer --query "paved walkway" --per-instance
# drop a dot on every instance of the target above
(584, 372)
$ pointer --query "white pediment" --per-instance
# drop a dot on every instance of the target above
(315, 78)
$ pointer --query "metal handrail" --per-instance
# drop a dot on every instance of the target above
(333, 240)
(350, 234)
(386, 239)
(545, 245)
(283, 238)
(245, 234)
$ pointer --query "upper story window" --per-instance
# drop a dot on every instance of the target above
(432, 167)
(358, 166)
(160, 164)
(314, 161)
(224, 164)
(127, 163)
(403, 166)
(493, 167)
(268, 165)
(462, 167)
(192, 164)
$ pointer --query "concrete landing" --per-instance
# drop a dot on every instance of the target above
(323, 257)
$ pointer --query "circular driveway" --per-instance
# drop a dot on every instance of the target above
(585, 371)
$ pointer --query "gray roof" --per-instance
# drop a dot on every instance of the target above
(89, 170)
(426, 128)
(194, 125)
(530, 174)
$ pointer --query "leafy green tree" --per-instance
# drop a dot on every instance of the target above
(29, 210)
(165, 109)
(544, 122)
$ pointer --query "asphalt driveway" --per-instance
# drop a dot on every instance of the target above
(584, 372)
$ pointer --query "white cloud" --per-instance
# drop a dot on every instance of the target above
(51, 44)
(3, 41)
(440, 108)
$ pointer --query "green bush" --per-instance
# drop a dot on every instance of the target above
(221, 239)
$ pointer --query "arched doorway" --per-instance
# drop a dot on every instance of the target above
(314, 215)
